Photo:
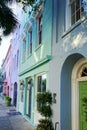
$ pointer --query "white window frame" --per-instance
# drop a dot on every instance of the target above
(41, 82)
(68, 14)
(37, 86)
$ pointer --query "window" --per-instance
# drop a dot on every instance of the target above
(84, 72)
(76, 10)
(41, 83)
(24, 50)
(40, 29)
(17, 57)
(30, 42)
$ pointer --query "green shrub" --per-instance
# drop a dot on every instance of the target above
(44, 102)
(44, 97)
(45, 124)
(45, 110)
(8, 100)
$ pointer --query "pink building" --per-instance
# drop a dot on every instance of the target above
(10, 67)
(6, 66)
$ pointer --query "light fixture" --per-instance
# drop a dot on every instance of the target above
(21, 85)
(29, 84)
(54, 97)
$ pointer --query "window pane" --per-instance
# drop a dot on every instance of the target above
(77, 4)
(41, 85)
(30, 42)
(44, 83)
(73, 19)
(40, 29)
(75, 11)
(77, 15)
(24, 50)
(72, 8)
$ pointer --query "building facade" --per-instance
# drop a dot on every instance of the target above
(7, 73)
(35, 56)
(68, 69)
(11, 62)
(15, 65)
(53, 56)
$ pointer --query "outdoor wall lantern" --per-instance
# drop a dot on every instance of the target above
(30, 84)
(54, 97)
(22, 85)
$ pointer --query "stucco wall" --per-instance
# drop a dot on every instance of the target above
(43, 51)
(71, 44)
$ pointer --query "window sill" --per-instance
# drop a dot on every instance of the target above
(29, 55)
(74, 26)
(38, 47)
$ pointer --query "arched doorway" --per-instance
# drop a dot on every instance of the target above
(79, 93)
(66, 92)
(15, 94)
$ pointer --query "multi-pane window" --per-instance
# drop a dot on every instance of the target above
(41, 83)
(76, 10)
(24, 50)
(40, 29)
(30, 41)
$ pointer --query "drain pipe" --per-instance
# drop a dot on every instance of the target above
(56, 125)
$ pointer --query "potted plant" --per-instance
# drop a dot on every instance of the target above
(8, 101)
(44, 101)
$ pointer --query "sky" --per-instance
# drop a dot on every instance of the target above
(6, 40)
(4, 47)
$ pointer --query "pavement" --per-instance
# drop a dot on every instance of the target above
(10, 119)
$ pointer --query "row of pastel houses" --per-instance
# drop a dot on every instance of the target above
(50, 44)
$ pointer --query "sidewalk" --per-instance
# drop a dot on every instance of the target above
(10, 119)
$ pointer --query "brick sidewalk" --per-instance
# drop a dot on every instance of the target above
(10, 119)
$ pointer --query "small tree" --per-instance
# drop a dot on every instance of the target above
(44, 102)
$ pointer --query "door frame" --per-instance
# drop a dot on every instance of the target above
(76, 78)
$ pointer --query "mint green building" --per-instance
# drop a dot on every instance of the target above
(35, 56)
